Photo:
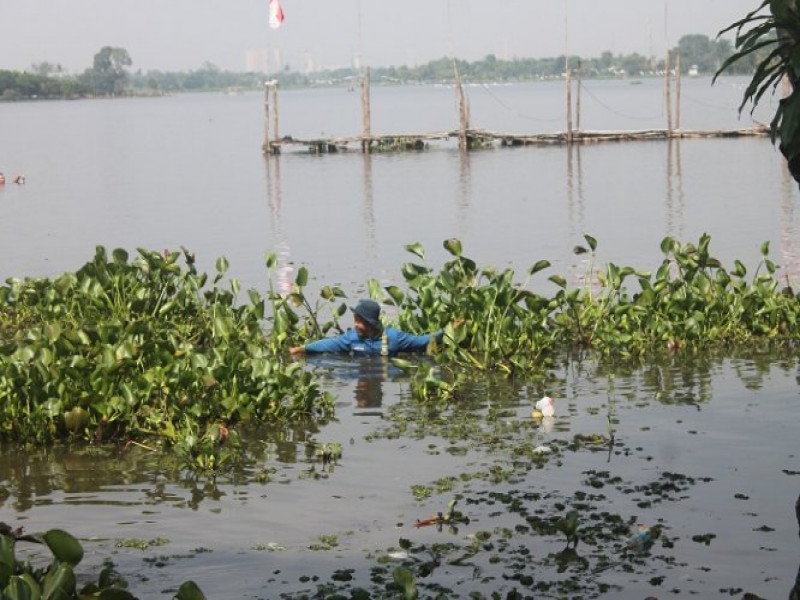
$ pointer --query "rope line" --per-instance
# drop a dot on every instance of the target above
(514, 110)
(616, 112)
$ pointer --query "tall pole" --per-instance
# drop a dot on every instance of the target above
(667, 92)
(578, 101)
(275, 109)
(266, 147)
(678, 92)
(567, 69)
(365, 113)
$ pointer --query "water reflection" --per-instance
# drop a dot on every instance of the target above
(675, 195)
(464, 186)
(366, 374)
(279, 244)
(369, 205)
(575, 189)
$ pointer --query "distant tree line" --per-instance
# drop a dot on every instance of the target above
(110, 76)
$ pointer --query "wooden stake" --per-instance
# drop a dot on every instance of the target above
(678, 92)
(266, 148)
(463, 118)
(569, 103)
(667, 93)
(275, 109)
(365, 113)
(578, 101)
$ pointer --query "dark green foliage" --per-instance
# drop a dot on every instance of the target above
(142, 350)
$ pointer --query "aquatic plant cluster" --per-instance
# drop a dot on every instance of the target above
(142, 350)
(493, 323)
(148, 351)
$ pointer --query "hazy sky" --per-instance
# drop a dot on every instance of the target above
(183, 34)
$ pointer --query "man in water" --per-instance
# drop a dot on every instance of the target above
(369, 337)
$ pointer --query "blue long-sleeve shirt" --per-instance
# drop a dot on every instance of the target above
(349, 342)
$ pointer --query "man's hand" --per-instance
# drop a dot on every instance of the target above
(295, 350)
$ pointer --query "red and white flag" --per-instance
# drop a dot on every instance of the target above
(275, 13)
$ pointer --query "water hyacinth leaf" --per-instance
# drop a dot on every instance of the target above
(538, 266)
(52, 331)
(326, 293)
(302, 277)
(558, 280)
(453, 246)
(578, 250)
(270, 260)
(396, 294)
(222, 265)
(7, 557)
(405, 579)
(374, 289)
(19, 589)
(405, 365)
(416, 248)
(189, 590)
(76, 419)
(255, 297)
(667, 244)
(739, 269)
(591, 241)
(64, 546)
(120, 256)
(59, 583)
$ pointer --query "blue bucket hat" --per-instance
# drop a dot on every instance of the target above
(369, 311)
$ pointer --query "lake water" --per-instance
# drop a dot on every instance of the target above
(188, 170)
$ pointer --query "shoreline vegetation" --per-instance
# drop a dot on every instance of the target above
(111, 75)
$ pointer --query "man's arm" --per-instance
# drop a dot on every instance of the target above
(340, 343)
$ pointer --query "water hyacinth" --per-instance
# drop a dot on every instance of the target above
(142, 349)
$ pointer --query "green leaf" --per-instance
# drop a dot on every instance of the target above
(405, 579)
(59, 583)
(541, 264)
(189, 591)
(396, 294)
(302, 277)
(271, 259)
(416, 248)
(765, 248)
(18, 589)
(591, 241)
(558, 280)
(64, 546)
(453, 246)
(222, 265)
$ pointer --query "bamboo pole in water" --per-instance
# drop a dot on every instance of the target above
(266, 147)
(275, 109)
(365, 112)
(462, 110)
(569, 104)
(678, 92)
(578, 101)
(667, 92)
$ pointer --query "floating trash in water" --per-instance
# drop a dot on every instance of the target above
(542, 450)
(545, 407)
(642, 537)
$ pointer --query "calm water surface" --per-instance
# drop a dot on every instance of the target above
(187, 170)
